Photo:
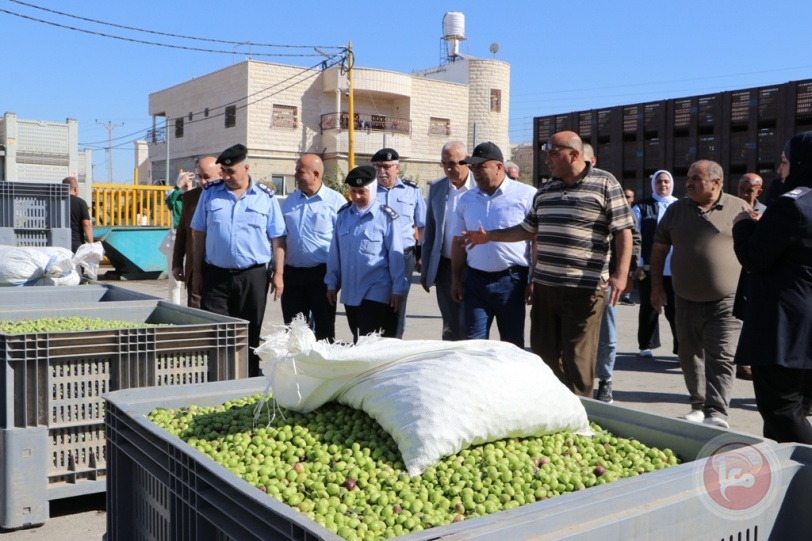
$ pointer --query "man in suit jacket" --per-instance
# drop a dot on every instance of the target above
(438, 239)
(208, 170)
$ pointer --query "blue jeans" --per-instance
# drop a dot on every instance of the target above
(489, 295)
(607, 344)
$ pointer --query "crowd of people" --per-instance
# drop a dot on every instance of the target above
(490, 245)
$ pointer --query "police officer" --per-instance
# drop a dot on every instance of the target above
(310, 214)
(235, 225)
(406, 199)
(366, 259)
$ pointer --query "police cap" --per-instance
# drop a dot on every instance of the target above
(360, 176)
(233, 155)
(385, 155)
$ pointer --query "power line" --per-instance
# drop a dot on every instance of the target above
(167, 34)
(144, 42)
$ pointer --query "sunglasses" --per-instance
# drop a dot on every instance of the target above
(547, 147)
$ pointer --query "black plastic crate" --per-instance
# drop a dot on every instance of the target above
(54, 382)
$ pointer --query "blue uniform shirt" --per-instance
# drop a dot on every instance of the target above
(366, 257)
(237, 230)
(309, 222)
(407, 200)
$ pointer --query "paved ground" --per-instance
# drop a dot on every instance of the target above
(645, 384)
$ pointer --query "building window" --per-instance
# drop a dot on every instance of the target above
(439, 126)
(284, 116)
(179, 127)
(496, 100)
(278, 183)
(231, 116)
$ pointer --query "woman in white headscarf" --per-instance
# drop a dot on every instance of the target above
(648, 212)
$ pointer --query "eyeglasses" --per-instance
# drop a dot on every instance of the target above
(547, 147)
(451, 163)
(384, 166)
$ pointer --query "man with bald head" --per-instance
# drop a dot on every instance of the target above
(310, 215)
(750, 187)
(207, 170)
(572, 218)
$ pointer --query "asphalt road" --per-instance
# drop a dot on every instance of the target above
(652, 385)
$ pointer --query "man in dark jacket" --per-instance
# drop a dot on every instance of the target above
(207, 171)
(776, 338)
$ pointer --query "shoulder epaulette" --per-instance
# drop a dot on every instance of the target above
(346, 206)
(390, 211)
(264, 188)
(412, 184)
(212, 184)
(798, 192)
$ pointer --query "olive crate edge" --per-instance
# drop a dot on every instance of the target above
(162, 488)
(52, 442)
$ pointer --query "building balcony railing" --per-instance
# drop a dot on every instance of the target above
(368, 123)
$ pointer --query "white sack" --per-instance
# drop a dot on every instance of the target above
(88, 256)
(47, 265)
(434, 398)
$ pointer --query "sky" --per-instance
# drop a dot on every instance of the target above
(564, 56)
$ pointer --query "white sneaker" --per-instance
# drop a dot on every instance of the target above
(716, 421)
(695, 416)
(645, 353)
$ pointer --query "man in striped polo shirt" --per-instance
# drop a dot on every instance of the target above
(572, 218)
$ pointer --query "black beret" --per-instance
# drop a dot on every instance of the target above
(484, 152)
(361, 176)
(385, 155)
(233, 155)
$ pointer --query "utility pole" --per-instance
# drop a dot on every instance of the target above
(110, 127)
(350, 110)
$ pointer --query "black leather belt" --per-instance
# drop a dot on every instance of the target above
(498, 274)
(237, 271)
(408, 250)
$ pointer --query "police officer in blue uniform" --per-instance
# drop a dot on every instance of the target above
(236, 224)
(366, 259)
(406, 199)
(310, 214)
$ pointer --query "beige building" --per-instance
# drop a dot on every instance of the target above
(280, 112)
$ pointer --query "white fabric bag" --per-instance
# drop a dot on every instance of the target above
(434, 398)
(47, 265)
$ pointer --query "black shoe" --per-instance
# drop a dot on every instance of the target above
(627, 300)
(604, 392)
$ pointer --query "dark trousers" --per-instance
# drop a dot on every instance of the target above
(500, 295)
(241, 294)
(306, 293)
(371, 316)
(779, 397)
(648, 320)
(565, 325)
